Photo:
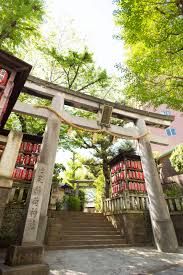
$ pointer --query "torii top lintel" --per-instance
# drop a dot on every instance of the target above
(44, 89)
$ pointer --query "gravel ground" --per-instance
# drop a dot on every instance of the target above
(111, 261)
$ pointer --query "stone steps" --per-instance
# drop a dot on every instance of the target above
(82, 234)
(80, 230)
(75, 221)
(73, 226)
(91, 232)
(85, 237)
(90, 246)
(86, 242)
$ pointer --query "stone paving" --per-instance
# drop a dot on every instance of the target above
(114, 261)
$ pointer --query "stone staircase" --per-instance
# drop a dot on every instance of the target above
(81, 230)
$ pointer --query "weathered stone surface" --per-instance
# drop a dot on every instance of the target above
(4, 192)
(24, 255)
(47, 156)
(163, 230)
(36, 197)
(9, 157)
(177, 219)
(12, 224)
(37, 269)
(134, 226)
(114, 261)
(7, 165)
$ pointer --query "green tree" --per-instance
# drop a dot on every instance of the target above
(100, 187)
(74, 70)
(152, 32)
(58, 168)
(20, 20)
(176, 158)
(102, 150)
(75, 167)
(81, 196)
(25, 123)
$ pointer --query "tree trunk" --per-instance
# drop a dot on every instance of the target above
(22, 122)
(106, 173)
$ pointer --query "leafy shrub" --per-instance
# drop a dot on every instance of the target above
(7, 235)
(176, 158)
(82, 199)
(173, 190)
(73, 203)
(59, 205)
(100, 186)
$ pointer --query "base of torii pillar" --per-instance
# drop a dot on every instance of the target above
(24, 260)
(28, 257)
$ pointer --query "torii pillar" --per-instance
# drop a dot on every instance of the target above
(49, 150)
(7, 165)
(28, 256)
(36, 221)
(163, 230)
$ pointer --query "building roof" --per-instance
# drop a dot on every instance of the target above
(121, 156)
(167, 153)
(22, 69)
(66, 186)
(26, 137)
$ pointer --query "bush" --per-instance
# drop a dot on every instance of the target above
(176, 158)
(59, 205)
(73, 203)
(82, 199)
(7, 235)
(173, 190)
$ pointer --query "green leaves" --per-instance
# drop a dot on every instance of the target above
(75, 70)
(20, 20)
(176, 158)
(152, 31)
(58, 168)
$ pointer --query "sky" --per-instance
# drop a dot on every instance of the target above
(93, 22)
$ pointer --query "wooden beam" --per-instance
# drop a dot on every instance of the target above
(93, 104)
(150, 120)
(28, 109)
(39, 90)
(3, 139)
(128, 133)
(91, 124)
(159, 140)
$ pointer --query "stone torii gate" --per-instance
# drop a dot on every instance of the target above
(36, 219)
(164, 233)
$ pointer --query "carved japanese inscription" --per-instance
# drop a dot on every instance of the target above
(32, 221)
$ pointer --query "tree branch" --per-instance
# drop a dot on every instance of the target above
(67, 76)
(74, 78)
(177, 51)
(89, 84)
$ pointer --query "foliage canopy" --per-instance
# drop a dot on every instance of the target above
(20, 20)
(75, 70)
(176, 158)
(153, 33)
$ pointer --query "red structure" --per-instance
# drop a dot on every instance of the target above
(127, 174)
(13, 74)
(27, 158)
(26, 161)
